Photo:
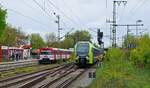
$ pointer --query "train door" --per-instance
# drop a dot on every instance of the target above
(66, 53)
(54, 55)
(57, 55)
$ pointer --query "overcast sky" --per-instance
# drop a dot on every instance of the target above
(78, 14)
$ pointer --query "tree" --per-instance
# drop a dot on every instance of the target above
(71, 39)
(67, 43)
(8, 37)
(3, 14)
(82, 35)
(12, 36)
(130, 42)
(51, 39)
(21, 37)
(37, 41)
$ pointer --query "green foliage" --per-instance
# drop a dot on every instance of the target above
(118, 72)
(3, 14)
(67, 43)
(69, 40)
(37, 41)
(141, 55)
(82, 35)
(130, 40)
(11, 36)
(51, 39)
(113, 54)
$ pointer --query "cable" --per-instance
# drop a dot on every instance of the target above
(91, 29)
(43, 9)
(136, 8)
(140, 6)
(27, 4)
(122, 14)
(28, 17)
(68, 33)
(71, 11)
(64, 23)
(106, 14)
(61, 12)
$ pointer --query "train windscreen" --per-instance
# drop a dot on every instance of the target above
(45, 52)
(82, 49)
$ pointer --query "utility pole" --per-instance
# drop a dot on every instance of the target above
(137, 27)
(114, 21)
(142, 31)
(128, 30)
(58, 24)
(110, 35)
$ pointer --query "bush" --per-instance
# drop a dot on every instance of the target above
(113, 54)
(141, 55)
(118, 72)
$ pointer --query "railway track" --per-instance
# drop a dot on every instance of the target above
(57, 77)
(14, 65)
(22, 79)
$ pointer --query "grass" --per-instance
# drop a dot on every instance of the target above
(120, 73)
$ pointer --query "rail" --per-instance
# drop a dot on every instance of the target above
(13, 65)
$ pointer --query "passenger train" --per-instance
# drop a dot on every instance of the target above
(50, 55)
(86, 53)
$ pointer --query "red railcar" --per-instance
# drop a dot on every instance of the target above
(0, 54)
(50, 55)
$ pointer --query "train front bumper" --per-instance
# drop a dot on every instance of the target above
(82, 60)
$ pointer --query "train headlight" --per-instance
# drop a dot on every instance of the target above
(77, 57)
(87, 57)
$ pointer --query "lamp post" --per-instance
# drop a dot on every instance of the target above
(138, 21)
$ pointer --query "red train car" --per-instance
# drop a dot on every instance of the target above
(0, 54)
(50, 55)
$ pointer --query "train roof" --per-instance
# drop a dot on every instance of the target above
(98, 48)
(60, 49)
(83, 42)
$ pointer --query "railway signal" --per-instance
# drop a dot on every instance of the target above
(99, 37)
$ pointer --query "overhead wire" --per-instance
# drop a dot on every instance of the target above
(42, 8)
(64, 24)
(64, 14)
(71, 11)
(25, 3)
(28, 17)
(122, 14)
(50, 2)
(134, 9)
(140, 6)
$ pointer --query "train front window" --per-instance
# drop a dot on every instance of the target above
(82, 48)
(45, 53)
